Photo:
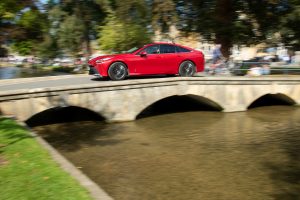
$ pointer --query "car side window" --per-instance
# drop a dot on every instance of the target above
(152, 49)
(165, 48)
(181, 49)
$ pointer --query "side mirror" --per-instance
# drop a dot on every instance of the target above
(143, 54)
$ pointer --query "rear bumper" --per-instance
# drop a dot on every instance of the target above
(200, 65)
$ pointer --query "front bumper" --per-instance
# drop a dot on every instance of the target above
(93, 71)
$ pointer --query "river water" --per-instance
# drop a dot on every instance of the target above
(17, 72)
(192, 155)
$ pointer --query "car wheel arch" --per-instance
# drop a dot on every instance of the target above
(120, 62)
(187, 68)
(189, 61)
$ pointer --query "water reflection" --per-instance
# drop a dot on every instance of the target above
(9, 72)
(16, 72)
(192, 155)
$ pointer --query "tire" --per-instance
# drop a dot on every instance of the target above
(187, 69)
(117, 71)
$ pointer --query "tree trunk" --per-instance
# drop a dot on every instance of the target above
(87, 50)
(224, 16)
(81, 9)
(226, 44)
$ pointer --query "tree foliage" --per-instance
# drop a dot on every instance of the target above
(23, 47)
(117, 36)
(48, 48)
(68, 26)
(22, 24)
(71, 34)
(90, 13)
(8, 11)
(163, 15)
(126, 26)
(289, 26)
(233, 22)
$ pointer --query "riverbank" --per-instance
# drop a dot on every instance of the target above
(28, 172)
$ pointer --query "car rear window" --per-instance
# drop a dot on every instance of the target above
(181, 49)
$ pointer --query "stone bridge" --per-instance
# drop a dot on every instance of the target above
(125, 100)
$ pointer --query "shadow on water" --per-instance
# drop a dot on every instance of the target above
(63, 115)
(179, 104)
(286, 175)
(75, 136)
(282, 121)
(271, 100)
(65, 128)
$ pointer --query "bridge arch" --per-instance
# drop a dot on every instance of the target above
(270, 99)
(178, 103)
(61, 114)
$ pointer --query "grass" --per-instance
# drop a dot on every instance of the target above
(27, 171)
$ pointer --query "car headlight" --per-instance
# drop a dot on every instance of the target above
(103, 60)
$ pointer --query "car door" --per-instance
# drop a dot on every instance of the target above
(169, 59)
(148, 63)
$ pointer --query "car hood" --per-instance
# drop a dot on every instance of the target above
(93, 60)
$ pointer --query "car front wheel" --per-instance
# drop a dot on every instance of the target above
(117, 71)
(187, 69)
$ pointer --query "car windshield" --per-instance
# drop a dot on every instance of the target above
(132, 50)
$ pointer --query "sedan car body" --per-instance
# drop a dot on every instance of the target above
(151, 59)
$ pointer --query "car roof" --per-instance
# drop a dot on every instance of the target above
(163, 43)
(158, 43)
(169, 43)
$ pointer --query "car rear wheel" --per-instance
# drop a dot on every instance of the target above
(117, 71)
(187, 69)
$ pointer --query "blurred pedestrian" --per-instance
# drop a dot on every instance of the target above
(217, 54)
(217, 60)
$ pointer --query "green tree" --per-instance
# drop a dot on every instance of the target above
(231, 22)
(127, 26)
(163, 15)
(48, 48)
(23, 47)
(71, 35)
(10, 12)
(32, 25)
(90, 13)
(72, 24)
(132, 11)
(289, 26)
(117, 35)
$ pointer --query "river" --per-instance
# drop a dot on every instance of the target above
(191, 155)
(17, 72)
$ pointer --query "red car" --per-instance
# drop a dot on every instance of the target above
(151, 59)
